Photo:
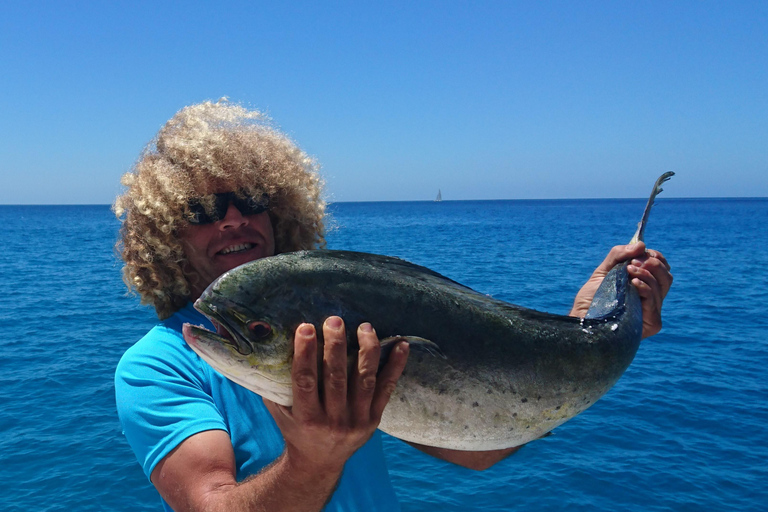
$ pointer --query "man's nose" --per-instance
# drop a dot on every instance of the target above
(233, 218)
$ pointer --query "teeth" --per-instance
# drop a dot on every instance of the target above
(236, 248)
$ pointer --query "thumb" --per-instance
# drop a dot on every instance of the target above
(619, 254)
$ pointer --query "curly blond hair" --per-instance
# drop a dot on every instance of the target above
(208, 146)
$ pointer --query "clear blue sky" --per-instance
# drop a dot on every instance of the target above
(484, 100)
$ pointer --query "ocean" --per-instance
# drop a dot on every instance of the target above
(686, 427)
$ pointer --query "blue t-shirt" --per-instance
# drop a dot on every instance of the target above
(165, 393)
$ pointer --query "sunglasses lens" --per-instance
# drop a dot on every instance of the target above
(197, 213)
(246, 205)
(251, 205)
(221, 205)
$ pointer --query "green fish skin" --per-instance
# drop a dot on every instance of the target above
(483, 374)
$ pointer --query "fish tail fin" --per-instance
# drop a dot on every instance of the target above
(640, 233)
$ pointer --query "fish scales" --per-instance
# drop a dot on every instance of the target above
(508, 374)
(483, 374)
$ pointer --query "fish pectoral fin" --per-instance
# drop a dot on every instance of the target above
(415, 343)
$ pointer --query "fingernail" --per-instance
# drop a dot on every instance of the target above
(631, 268)
(366, 327)
(333, 322)
(307, 329)
(402, 347)
(636, 263)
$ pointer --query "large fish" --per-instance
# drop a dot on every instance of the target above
(483, 374)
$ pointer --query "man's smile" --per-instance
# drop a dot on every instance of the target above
(236, 248)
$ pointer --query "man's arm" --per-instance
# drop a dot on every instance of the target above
(320, 433)
(478, 461)
(650, 274)
(199, 475)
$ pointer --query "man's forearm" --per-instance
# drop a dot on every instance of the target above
(281, 487)
(472, 460)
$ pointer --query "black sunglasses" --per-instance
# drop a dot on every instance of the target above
(246, 204)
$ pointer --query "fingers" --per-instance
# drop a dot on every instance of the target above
(306, 401)
(387, 380)
(368, 392)
(648, 259)
(657, 255)
(365, 378)
(356, 399)
(335, 368)
(335, 410)
(658, 268)
(651, 295)
(647, 286)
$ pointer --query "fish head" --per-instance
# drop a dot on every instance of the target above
(253, 342)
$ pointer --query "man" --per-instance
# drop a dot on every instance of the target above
(219, 187)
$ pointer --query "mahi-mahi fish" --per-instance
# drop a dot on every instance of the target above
(482, 374)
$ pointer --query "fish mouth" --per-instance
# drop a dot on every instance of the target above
(208, 346)
(226, 333)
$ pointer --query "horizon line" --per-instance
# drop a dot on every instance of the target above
(448, 200)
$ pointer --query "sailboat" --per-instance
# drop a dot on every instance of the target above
(439, 196)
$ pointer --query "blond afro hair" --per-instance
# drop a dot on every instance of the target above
(208, 146)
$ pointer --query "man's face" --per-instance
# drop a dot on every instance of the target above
(214, 248)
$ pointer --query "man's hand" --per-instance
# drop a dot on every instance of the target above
(650, 274)
(320, 433)
(322, 430)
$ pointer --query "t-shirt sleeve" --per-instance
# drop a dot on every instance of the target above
(162, 396)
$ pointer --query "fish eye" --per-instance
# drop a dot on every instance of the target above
(259, 329)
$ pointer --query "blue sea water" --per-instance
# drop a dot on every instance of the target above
(684, 429)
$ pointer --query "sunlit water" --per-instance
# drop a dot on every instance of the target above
(684, 429)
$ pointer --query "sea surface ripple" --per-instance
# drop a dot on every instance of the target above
(684, 429)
